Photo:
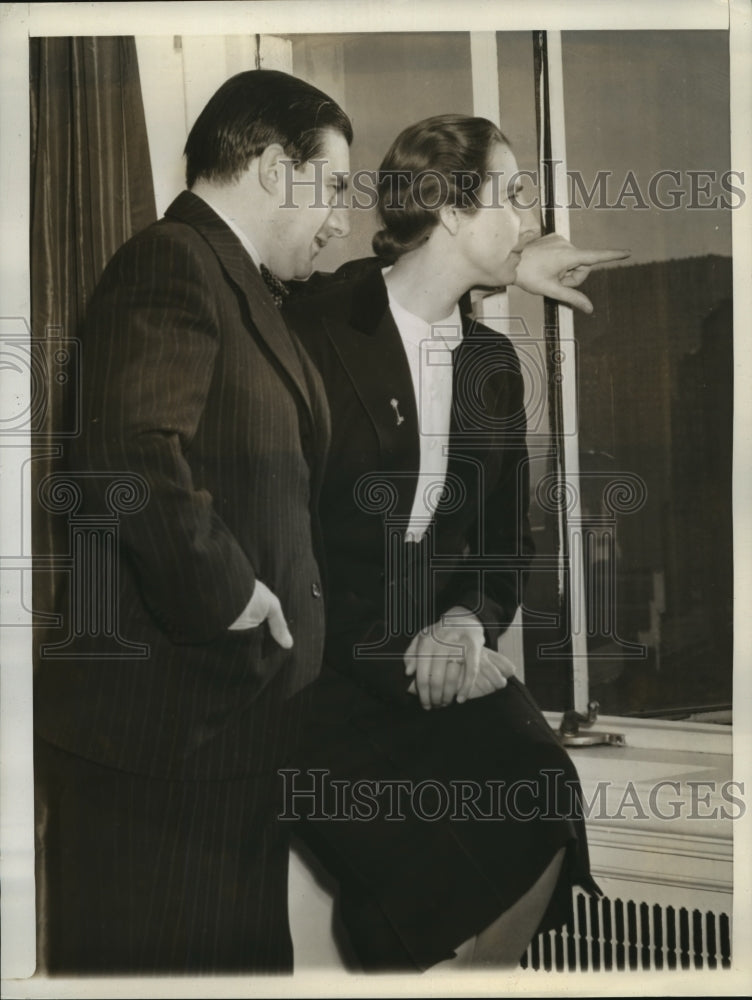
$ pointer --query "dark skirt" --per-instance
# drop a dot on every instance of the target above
(434, 822)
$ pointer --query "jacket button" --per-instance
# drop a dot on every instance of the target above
(315, 590)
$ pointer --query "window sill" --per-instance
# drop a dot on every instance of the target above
(660, 810)
(662, 734)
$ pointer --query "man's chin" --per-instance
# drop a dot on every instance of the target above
(303, 274)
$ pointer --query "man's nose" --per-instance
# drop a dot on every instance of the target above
(338, 222)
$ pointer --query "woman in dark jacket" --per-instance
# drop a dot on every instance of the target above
(440, 797)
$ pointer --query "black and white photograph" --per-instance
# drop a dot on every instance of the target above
(375, 557)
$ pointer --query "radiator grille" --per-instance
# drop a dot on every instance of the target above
(616, 934)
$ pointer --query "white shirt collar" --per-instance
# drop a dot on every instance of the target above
(416, 330)
(247, 244)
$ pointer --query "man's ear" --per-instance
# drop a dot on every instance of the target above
(449, 217)
(271, 167)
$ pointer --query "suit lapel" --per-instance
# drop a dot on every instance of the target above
(473, 430)
(241, 270)
(370, 349)
(470, 363)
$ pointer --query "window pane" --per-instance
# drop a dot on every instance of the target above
(385, 82)
(547, 658)
(655, 362)
(655, 358)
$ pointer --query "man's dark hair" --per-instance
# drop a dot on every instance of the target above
(253, 110)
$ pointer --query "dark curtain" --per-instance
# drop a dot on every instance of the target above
(91, 188)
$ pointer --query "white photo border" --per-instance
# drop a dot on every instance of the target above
(19, 22)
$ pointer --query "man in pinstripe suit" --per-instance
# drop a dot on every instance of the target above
(157, 749)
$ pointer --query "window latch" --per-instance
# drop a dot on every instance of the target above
(570, 735)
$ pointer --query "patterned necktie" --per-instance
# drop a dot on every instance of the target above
(277, 287)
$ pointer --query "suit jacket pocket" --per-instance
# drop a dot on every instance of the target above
(245, 646)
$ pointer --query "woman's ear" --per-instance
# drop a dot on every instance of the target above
(271, 166)
(449, 217)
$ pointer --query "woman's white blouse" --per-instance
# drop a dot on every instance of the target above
(429, 353)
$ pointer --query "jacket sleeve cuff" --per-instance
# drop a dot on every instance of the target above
(494, 617)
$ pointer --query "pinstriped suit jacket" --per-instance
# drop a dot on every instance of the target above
(191, 381)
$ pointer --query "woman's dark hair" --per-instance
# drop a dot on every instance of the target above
(438, 161)
(253, 110)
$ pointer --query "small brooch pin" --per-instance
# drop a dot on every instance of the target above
(394, 403)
